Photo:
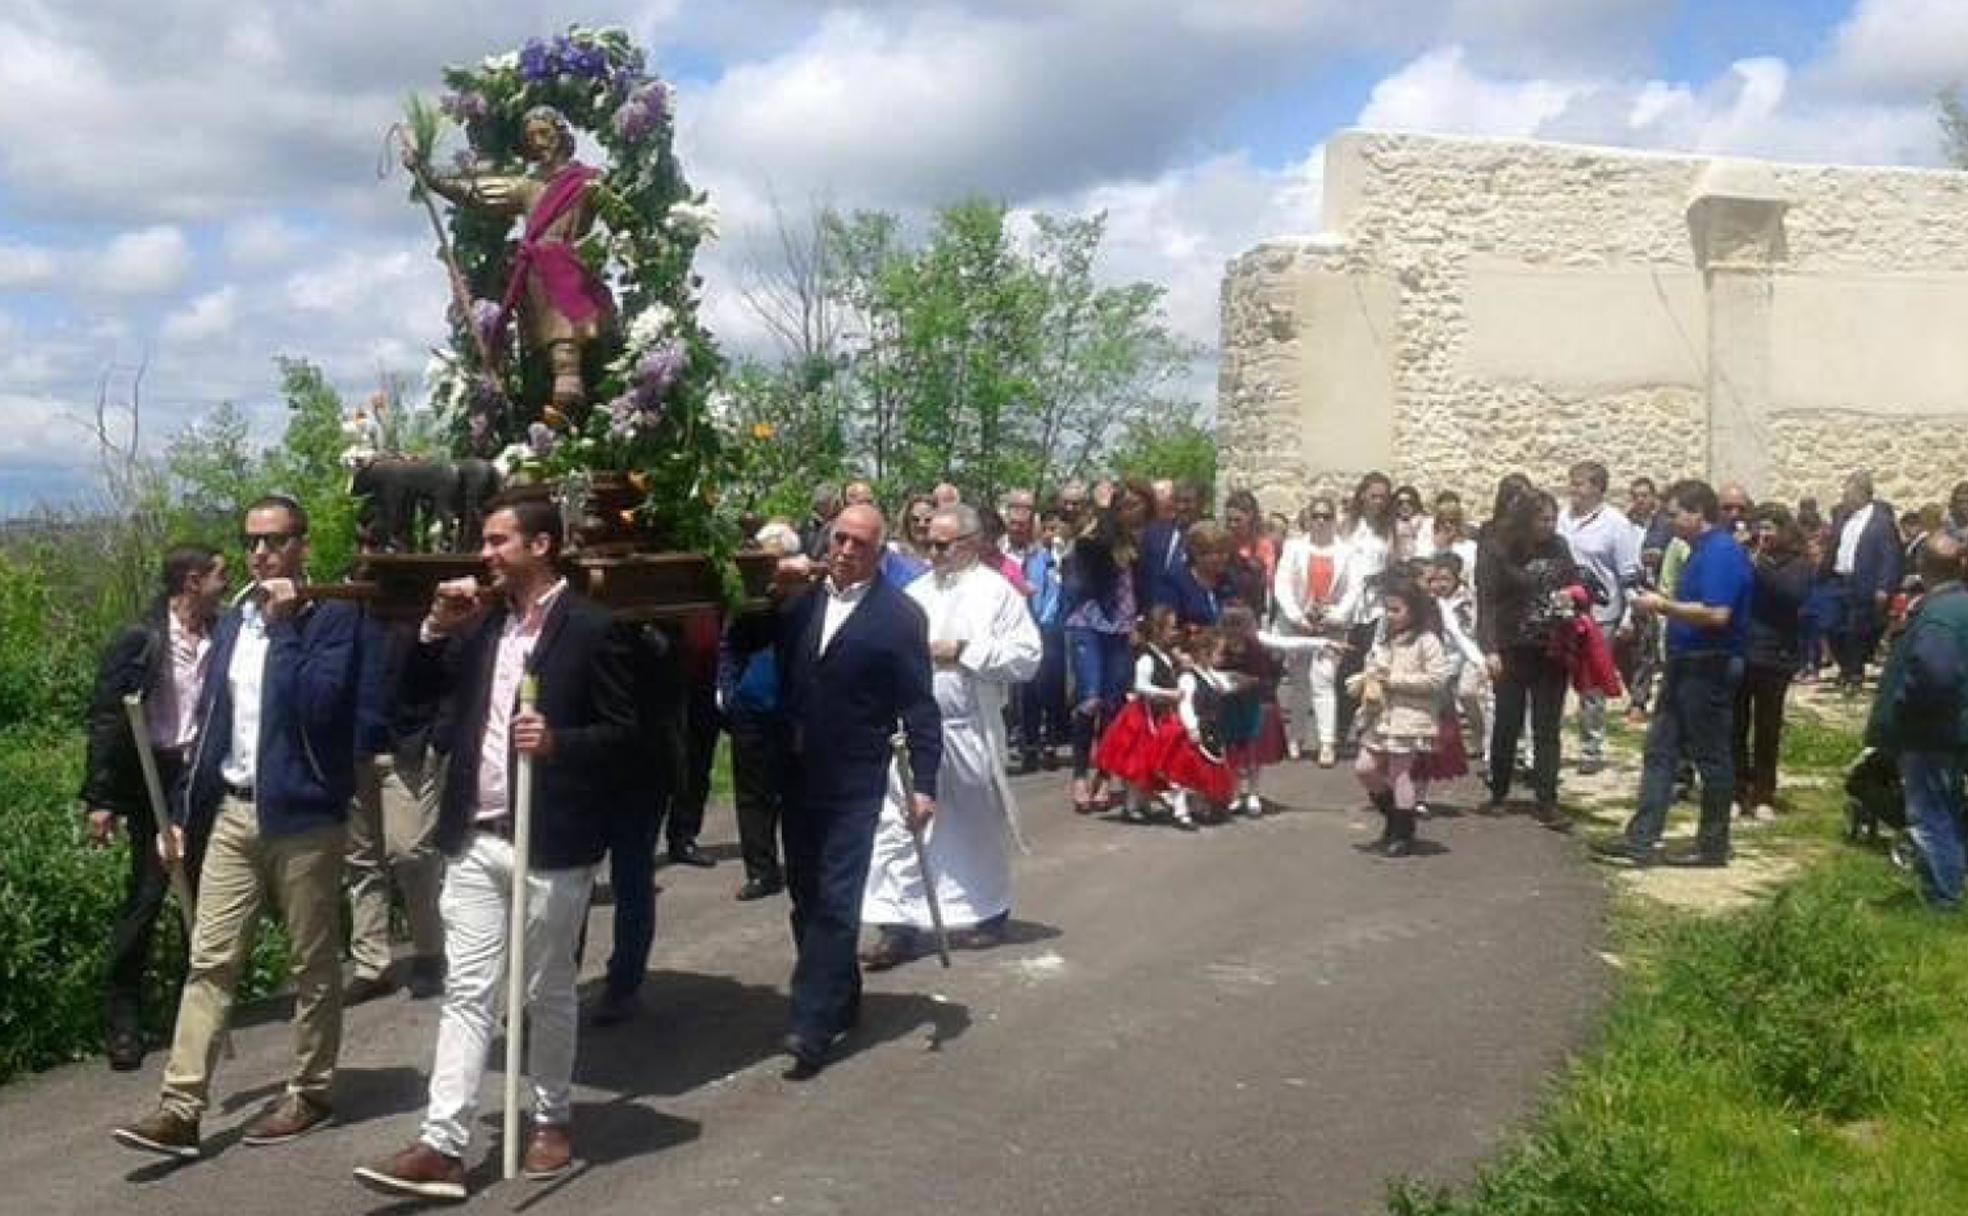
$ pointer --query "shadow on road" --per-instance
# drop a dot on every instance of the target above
(695, 1029)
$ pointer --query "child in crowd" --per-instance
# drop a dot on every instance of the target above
(1400, 690)
(1194, 762)
(1253, 728)
(1133, 746)
(1470, 683)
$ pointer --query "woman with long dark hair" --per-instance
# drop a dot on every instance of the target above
(1776, 611)
(1368, 529)
(1523, 571)
(1097, 607)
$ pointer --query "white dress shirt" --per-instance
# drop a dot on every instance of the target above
(516, 641)
(1848, 540)
(244, 677)
(841, 603)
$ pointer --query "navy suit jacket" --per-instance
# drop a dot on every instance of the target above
(842, 705)
(1876, 566)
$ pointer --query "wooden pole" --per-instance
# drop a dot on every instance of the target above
(529, 693)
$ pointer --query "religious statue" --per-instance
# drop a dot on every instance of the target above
(562, 305)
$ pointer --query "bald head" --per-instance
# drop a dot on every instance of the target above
(1940, 559)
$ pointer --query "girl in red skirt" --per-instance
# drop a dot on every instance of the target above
(1195, 761)
(1253, 727)
(1132, 747)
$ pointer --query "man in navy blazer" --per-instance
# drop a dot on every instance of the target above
(853, 660)
(1862, 564)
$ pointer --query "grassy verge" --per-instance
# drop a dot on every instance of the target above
(1806, 1053)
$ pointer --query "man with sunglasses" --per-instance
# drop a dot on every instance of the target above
(268, 787)
(982, 641)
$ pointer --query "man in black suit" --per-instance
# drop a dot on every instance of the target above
(853, 660)
(578, 735)
(1862, 564)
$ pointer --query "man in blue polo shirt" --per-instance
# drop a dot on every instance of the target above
(1707, 629)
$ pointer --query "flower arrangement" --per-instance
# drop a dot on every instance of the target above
(648, 377)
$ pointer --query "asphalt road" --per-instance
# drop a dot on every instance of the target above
(1255, 1018)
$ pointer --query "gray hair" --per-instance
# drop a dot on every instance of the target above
(962, 514)
(778, 537)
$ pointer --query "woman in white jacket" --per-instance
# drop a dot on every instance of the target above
(1314, 595)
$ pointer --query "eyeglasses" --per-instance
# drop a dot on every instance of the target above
(944, 546)
(253, 542)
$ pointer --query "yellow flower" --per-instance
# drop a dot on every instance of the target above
(761, 430)
(553, 417)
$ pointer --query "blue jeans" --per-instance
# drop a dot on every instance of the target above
(1100, 681)
(828, 846)
(1042, 699)
(1933, 803)
(1695, 718)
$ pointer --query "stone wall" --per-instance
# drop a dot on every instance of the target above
(1481, 305)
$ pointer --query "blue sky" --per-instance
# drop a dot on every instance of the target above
(193, 189)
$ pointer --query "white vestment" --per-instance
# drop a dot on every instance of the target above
(976, 819)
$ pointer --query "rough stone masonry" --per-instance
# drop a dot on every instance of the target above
(1480, 305)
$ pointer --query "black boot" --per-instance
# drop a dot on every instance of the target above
(1400, 832)
(1384, 803)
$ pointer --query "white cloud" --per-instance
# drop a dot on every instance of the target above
(258, 241)
(1439, 92)
(207, 316)
(1905, 49)
(146, 262)
(23, 266)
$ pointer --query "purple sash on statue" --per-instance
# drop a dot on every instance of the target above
(554, 264)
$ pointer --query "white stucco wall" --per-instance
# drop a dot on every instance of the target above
(1480, 305)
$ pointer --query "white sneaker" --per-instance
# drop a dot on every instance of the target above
(1421, 810)
(1764, 813)
(1295, 750)
(1253, 805)
(1179, 807)
(1327, 757)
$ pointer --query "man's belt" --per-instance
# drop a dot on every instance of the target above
(501, 826)
(242, 792)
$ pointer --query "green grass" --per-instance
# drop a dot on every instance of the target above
(1806, 1055)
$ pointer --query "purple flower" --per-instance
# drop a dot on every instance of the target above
(537, 61)
(540, 438)
(585, 61)
(463, 162)
(633, 122)
(659, 369)
(464, 107)
(488, 319)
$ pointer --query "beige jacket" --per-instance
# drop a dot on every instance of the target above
(1412, 673)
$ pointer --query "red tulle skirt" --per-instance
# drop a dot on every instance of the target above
(1187, 767)
(1449, 760)
(1267, 748)
(1132, 746)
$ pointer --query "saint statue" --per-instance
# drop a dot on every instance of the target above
(562, 305)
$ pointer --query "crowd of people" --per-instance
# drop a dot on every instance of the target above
(314, 752)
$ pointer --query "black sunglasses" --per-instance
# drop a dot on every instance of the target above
(253, 541)
(942, 546)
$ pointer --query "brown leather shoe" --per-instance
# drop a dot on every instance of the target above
(288, 1117)
(549, 1154)
(162, 1132)
(419, 1170)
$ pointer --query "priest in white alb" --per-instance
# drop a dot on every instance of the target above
(982, 642)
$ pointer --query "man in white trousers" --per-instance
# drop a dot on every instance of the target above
(981, 642)
(577, 736)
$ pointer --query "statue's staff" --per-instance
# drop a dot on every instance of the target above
(414, 143)
(167, 841)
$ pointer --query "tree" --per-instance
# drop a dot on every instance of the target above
(308, 466)
(979, 358)
(1954, 127)
(1183, 450)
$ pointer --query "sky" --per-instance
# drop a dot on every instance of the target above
(189, 189)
